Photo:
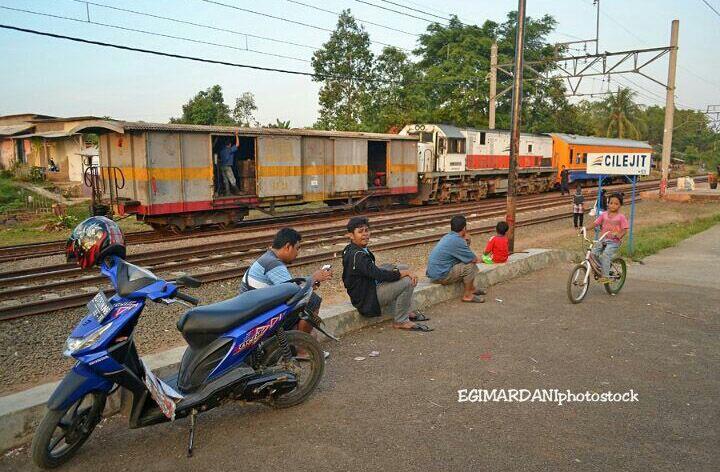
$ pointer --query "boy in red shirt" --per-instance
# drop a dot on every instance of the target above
(496, 251)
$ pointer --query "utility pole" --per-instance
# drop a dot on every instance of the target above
(493, 85)
(669, 107)
(597, 26)
(515, 118)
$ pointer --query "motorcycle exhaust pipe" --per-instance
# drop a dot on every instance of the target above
(263, 386)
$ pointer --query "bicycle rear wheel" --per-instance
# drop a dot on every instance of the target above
(618, 272)
(577, 287)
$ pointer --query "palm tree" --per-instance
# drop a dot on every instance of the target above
(621, 116)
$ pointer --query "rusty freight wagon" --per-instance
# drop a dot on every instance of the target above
(168, 174)
(460, 164)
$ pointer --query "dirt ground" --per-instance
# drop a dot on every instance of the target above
(31, 348)
(400, 411)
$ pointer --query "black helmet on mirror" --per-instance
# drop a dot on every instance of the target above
(93, 240)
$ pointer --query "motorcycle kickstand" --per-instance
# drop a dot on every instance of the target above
(191, 441)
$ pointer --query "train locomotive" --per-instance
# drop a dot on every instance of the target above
(168, 175)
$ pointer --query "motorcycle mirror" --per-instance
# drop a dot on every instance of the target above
(188, 281)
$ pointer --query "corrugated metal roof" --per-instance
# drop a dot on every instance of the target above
(47, 134)
(9, 130)
(174, 127)
(596, 141)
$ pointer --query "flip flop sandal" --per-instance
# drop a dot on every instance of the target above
(420, 327)
(419, 316)
(475, 299)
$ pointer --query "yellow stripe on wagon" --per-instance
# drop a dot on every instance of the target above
(143, 174)
(296, 171)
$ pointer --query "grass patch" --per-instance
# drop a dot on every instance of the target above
(11, 195)
(652, 239)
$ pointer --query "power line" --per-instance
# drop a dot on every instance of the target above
(191, 23)
(395, 11)
(287, 20)
(711, 7)
(358, 19)
(152, 33)
(414, 10)
(209, 61)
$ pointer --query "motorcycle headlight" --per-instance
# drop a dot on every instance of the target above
(73, 345)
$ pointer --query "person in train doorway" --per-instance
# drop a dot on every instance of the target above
(271, 269)
(387, 289)
(564, 181)
(452, 261)
(227, 162)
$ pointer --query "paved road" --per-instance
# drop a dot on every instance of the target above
(399, 411)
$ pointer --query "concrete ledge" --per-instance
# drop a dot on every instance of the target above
(21, 412)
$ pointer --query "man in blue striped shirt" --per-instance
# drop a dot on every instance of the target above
(271, 269)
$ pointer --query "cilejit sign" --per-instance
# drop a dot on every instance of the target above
(618, 163)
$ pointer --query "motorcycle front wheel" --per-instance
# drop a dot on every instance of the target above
(62, 432)
(309, 364)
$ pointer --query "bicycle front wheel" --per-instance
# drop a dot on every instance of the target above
(578, 283)
(618, 272)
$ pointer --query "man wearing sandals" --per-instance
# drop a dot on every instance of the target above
(452, 261)
(377, 290)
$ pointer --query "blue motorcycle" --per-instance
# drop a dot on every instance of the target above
(242, 349)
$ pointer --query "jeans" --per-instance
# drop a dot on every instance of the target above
(578, 219)
(228, 178)
(606, 255)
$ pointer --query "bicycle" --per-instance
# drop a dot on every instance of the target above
(579, 280)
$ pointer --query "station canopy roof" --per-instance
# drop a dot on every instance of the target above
(597, 141)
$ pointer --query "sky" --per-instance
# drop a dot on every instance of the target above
(57, 77)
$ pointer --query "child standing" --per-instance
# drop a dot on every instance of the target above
(578, 207)
(496, 251)
(615, 225)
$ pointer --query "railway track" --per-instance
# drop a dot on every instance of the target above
(27, 251)
(35, 291)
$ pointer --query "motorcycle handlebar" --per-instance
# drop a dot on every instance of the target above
(185, 297)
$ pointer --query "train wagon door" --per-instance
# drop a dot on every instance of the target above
(317, 166)
(350, 166)
(279, 166)
(403, 168)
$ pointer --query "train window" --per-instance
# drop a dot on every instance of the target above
(426, 137)
(584, 158)
(578, 157)
(529, 147)
(482, 138)
(456, 146)
(571, 156)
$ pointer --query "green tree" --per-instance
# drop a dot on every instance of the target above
(344, 67)
(206, 108)
(243, 113)
(621, 116)
(395, 97)
(279, 124)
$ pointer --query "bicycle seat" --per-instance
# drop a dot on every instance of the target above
(203, 324)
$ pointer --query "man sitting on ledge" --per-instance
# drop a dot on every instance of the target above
(452, 260)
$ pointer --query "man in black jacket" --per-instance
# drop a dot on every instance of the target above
(376, 290)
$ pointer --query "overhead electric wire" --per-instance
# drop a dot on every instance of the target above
(358, 19)
(152, 33)
(395, 11)
(711, 7)
(413, 9)
(199, 25)
(204, 60)
(287, 20)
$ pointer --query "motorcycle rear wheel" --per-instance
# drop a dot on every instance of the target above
(62, 432)
(315, 363)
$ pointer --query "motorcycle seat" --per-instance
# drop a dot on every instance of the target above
(201, 325)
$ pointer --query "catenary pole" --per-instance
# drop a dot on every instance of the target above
(515, 119)
(669, 107)
(493, 85)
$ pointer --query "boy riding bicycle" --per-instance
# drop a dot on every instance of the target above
(615, 225)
